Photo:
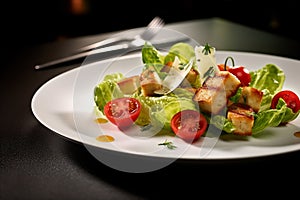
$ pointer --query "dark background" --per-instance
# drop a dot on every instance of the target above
(34, 22)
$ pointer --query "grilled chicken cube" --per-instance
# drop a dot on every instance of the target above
(212, 97)
(242, 117)
(225, 80)
(190, 78)
(251, 97)
(211, 100)
(129, 85)
(150, 81)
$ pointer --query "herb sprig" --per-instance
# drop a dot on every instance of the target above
(207, 49)
(168, 144)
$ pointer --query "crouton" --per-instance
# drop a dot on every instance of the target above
(150, 82)
(190, 78)
(224, 79)
(251, 97)
(129, 85)
(210, 100)
(212, 97)
(242, 118)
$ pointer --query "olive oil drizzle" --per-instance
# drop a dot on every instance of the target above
(105, 138)
(297, 134)
(101, 120)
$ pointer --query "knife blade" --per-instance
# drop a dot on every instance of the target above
(111, 51)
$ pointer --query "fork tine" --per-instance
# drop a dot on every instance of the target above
(153, 27)
(156, 22)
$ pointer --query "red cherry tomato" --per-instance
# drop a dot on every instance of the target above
(290, 98)
(122, 112)
(239, 71)
(189, 125)
(242, 74)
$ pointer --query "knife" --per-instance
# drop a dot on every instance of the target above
(111, 51)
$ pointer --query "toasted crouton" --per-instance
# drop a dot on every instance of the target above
(190, 78)
(212, 97)
(211, 100)
(225, 80)
(242, 118)
(251, 97)
(150, 82)
(129, 85)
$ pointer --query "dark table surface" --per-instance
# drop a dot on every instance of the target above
(37, 163)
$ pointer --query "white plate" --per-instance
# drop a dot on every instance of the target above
(65, 105)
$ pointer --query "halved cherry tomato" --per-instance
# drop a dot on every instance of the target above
(290, 98)
(189, 125)
(122, 112)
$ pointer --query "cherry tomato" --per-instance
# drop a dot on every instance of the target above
(122, 112)
(189, 125)
(242, 74)
(290, 98)
(239, 71)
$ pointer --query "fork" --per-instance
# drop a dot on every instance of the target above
(152, 28)
(136, 42)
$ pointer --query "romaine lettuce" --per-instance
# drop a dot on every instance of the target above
(107, 90)
(269, 77)
(158, 111)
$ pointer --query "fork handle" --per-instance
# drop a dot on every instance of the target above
(103, 43)
(110, 51)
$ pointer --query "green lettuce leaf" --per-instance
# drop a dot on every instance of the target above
(183, 51)
(289, 115)
(269, 77)
(150, 55)
(107, 90)
(222, 123)
(268, 118)
(158, 111)
(273, 117)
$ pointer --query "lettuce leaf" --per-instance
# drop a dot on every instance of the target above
(269, 77)
(150, 55)
(289, 115)
(268, 118)
(107, 90)
(222, 123)
(183, 51)
(163, 114)
(158, 111)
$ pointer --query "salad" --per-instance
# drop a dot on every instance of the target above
(229, 97)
